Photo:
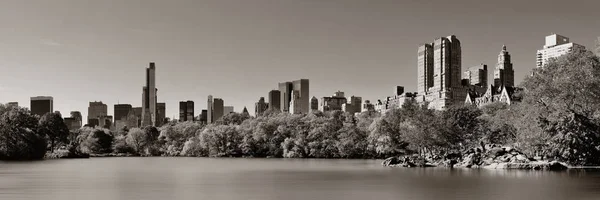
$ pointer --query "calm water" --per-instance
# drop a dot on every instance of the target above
(239, 179)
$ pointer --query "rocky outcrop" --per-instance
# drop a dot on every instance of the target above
(487, 157)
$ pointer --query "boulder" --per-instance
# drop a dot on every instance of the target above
(390, 161)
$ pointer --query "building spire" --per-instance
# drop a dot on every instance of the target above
(503, 47)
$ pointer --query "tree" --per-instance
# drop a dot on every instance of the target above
(137, 140)
(52, 125)
(19, 137)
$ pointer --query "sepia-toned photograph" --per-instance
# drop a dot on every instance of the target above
(299, 100)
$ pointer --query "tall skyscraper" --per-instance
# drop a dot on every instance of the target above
(275, 99)
(218, 109)
(477, 75)
(598, 47)
(161, 113)
(121, 111)
(203, 116)
(504, 75)
(301, 101)
(209, 110)
(186, 111)
(260, 107)
(446, 88)
(149, 97)
(96, 110)
(41, 105)
(425, 70)
(556, 46)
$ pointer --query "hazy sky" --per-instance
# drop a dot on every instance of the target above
(79, 51)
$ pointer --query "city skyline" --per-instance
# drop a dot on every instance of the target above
(79, 58)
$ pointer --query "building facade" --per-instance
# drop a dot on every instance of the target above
(275, 99)
(301, 99)
(227, 110)
(149, 97)
(209, 110)
(332, 103)
(12, 104)
(186, 111)
(502, 94)
(218, 109)
(368, 106)
(504, 73)
(441, 87)
(161, 113)
(41, 105)
(314, 104)
(353, 105)
(555, 46)
(476, 75)
(260, 107)
(96, 110)
(203, 115)
(121, 111)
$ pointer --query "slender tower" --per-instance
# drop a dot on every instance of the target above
(209, 110)
(504, 75)
(149, 97)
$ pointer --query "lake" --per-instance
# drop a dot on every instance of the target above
(166, 178)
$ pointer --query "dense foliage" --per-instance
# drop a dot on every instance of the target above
(559, 118)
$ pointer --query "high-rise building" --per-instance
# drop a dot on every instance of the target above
(161, 113)
(353, 106)
(186, 111)
(504, 75)
(260, 107)
(210, 110)
(275, 99)
(41, 105)
(203, 116)
(598, 47)
(301, 101)
(121, 111)
(333, 102)
(13, 104)
(446, 88)
(314, 104)
(556, 46)
(97, 110)
(149, 97)
(227, 110)
(477, 75)
(218, 109)
(73, 122)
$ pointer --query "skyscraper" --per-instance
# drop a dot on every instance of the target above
(121, 111)
(161, 113)
(301, 101)
(504, 75)
(446, 88)
(96, 110)
(203, 116)
(477, 75)
(149, 97)
(260, 107)
(556, 46)
(218, 109)
(209, 110)
(41, 105)
(275, 99)
(186, 111)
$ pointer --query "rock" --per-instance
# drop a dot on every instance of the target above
(496, 151)
(556, 166)
(521, 158)
(390, 161)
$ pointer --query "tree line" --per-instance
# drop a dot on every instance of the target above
(558, 118)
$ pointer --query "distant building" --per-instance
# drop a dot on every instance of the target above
(203, 116)
(439, 68)
(227, 110)
(260, 107)
(149, 97)
(96, 110)
(121, 111)
(161, 114)
(186, 111)
(556, 46)
(275, 99)
(493, 94)
(314, 104)
(106, 122)
(13, 104)
(210, 110)
(41, 105)
(476, 75)
(333, 102)
(504, 73)
(218, 109)
(72, 123)
(395, 101)
(353, 106)
(301, 88)
(77, 115)
(368, 106)
(245, 111)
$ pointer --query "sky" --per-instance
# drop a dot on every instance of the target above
(238, 50)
